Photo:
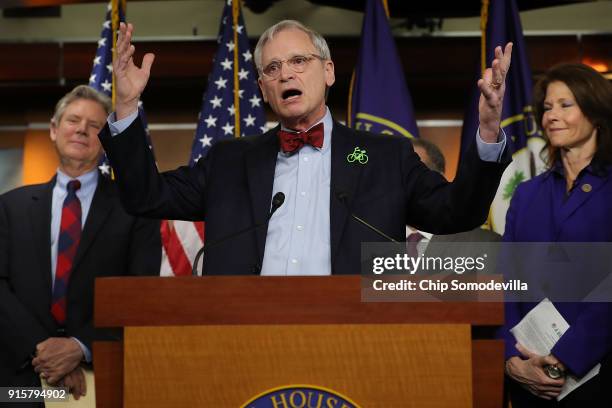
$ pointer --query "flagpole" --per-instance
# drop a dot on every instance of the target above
(484, 17)
(115, 27)
(235, 14)
(350, 101)
(386, 7)
(115, 18)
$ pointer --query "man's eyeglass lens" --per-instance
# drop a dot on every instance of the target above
(297, 63)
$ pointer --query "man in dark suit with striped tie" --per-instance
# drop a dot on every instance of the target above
(55, 239)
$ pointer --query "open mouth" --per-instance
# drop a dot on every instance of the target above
(291, 94)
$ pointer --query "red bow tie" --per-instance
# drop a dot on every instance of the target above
(291, 141)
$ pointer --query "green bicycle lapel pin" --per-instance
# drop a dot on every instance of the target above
(359, 155)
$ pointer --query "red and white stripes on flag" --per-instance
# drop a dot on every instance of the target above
(180, 240)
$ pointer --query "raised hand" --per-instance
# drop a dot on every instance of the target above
(492, 87)
(130, 81)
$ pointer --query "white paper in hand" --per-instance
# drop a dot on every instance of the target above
(539, 330)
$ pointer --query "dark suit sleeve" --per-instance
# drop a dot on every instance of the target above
(20, 331)
(443, 208)
(177, 194)
(145, 248)
(143, 259)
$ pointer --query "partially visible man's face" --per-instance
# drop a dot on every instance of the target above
(423, 156)
(297, 98)
(76, 135)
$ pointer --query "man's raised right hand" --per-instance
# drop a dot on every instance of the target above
(130, 80)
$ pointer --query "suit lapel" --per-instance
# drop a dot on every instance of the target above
(40, 218)
(587, 189)
(101, 206)
(260, 166)
(344, 180)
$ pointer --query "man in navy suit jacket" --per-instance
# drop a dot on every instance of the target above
(32, 340)
(312, 233)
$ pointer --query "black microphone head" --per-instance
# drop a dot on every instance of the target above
(277, 201)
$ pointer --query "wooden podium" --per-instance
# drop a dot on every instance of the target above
(220, 341)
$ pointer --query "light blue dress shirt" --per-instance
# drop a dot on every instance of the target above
(301, 226)
(89, 182)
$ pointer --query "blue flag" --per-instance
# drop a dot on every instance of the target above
(219, 118)
(523, 134)
(379, 100)
(101, 77)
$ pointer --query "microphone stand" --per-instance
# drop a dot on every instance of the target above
(277, 201)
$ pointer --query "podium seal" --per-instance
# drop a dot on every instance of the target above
(300, 396)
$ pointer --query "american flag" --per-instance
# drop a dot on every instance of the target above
(101, 77)
(221, 117)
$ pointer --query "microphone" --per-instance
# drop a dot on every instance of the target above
(342, 196)
(277, 201)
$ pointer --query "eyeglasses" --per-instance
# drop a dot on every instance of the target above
(297, 63)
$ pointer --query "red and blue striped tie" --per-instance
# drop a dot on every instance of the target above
(69, 237)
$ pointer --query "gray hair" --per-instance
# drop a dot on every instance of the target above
(317, 39)
(81, 92)
(435, 159)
